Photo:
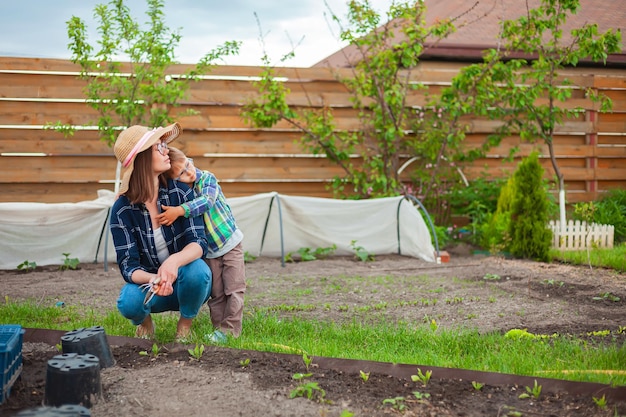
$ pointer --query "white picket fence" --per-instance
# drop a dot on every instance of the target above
(578, 235)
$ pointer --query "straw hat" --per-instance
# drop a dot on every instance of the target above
(136, 139)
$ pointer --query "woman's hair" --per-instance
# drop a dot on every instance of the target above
(177, 157)
(141, 184)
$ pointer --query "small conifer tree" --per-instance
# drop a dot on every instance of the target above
(530, 236)
(494, 232)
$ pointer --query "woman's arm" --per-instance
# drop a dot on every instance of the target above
(126, 250)
(169, 268)
(189, 240)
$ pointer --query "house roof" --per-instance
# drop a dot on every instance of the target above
(478, 26)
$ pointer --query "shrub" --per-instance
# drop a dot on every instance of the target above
(482, 190)
(443, 237)
(530, 236)
(494, 235)
(478, 201)
(610, 209)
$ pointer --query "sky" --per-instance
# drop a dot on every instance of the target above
(38, 28)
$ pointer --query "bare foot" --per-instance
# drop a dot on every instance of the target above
(183, 329)
(146, 329)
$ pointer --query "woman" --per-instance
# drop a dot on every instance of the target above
(166, 258)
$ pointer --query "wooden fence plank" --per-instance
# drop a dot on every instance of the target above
(51, 192)
(102, 168)
(194, 142)
(64, 169)
(525, 149)
(71, 193)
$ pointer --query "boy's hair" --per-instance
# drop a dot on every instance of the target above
(176, 157)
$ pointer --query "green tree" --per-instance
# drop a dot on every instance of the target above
(528, 228)
(391, 133)
(529, 95)
(129, 80)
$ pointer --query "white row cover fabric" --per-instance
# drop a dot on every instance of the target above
(273, 225)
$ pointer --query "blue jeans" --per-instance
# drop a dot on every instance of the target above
(192, 289)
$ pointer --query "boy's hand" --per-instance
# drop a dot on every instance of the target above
(170, 214)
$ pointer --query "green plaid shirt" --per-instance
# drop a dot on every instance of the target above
(210, 202)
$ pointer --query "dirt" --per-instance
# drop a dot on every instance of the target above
(488, 293)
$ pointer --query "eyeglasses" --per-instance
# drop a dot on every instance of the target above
(186, 169)
(162, 147)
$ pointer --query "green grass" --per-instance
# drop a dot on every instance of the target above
(426, 345)
(562, 357)
(613, 258)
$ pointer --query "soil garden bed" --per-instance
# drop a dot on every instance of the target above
(541, 298)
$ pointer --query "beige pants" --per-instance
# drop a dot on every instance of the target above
(227, 293)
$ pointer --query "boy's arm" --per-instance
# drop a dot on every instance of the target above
(207, 189)
(170, 214)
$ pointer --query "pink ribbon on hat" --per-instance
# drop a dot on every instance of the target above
(138, 146)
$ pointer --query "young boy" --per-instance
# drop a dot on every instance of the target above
(225, 257)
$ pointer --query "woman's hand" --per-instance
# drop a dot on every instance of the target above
(168, 273)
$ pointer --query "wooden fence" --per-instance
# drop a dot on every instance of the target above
(41, 165)
(579, 235)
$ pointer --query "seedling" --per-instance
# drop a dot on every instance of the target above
(196, 352)
(248, 257)
(307, 361)
(244, 362)
(423, 378)
(607, 296)
(553, 282)
(396, 403)
(491, 277)
(600, 402)
(307, 254)
(310, 390)
(59, 347)
(421, 395)
(477, 385)
(364, 375)
(535, 391)
(361, 253)
(346, 413)
(322, 253)
(27, 266)
(155, 351)
(69, 263)
(433, 325)
(455, 300)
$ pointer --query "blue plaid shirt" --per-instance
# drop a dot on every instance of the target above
(133, 235)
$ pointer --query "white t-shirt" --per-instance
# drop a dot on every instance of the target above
(161, 246)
